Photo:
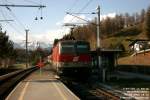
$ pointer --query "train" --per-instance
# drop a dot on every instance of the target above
(72, 58)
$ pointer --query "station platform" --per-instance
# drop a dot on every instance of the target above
(41, 85)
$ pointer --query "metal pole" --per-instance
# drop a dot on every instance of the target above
(98, 27)
(99, 45)
(6, 5)
(72, 31)
(0, 28)
(5, 20)
(40, 66)
(27, 48)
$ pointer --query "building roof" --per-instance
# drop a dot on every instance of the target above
(137, 40)
(105, 51)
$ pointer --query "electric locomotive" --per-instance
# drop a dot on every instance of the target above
(72, 57)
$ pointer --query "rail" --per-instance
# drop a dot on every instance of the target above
(108, 95)
(9, 81)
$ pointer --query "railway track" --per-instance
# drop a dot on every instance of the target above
(94, 91)
(105, 94)
(10, 80)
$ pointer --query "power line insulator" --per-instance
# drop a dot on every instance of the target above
(36, 18)
(41, 18)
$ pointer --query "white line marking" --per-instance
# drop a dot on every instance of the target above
(59, 91)
(23, 91)
(70, 92)
(12, 91)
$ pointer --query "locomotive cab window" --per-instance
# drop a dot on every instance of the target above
(67, 49)
(82, 48)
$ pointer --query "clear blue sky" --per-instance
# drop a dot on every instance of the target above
(55, 14)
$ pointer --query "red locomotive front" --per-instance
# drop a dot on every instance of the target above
(71, 57)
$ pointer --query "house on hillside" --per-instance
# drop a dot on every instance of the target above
(139, 45)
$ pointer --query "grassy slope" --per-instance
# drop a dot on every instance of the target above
(133, 32)
(139, 59)
(116, 40)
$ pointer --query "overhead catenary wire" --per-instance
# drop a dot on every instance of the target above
(40, 8)
(41, 13)
(84, 7)
(11, 5)
(31, 1)
(8, 2)
(75, 2)
(41, 1)
(73, 5)
(41, 17)
(13, 15)
(11, 25)
(14, 27)
(82, 19)
(70, 9)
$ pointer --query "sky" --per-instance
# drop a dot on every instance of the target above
(54, 16)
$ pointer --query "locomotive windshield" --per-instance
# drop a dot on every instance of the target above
(82, 48)
(67, 49)
(74, 47)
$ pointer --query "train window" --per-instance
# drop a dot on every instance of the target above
(67, 49)
(83, 48)
(68, 46)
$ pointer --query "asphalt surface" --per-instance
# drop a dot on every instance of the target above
(41, 85)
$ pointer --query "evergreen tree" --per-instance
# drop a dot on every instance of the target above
(147, 23)
(137, 18)
(55, 42)
(7, 51)
(142, 15)
(3, 44)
